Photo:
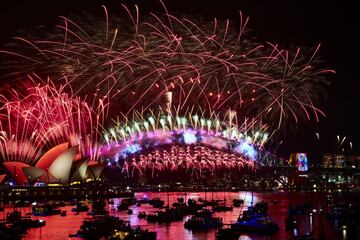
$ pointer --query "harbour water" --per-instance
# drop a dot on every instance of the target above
(59, 227)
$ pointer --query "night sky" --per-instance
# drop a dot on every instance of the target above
(300, 23)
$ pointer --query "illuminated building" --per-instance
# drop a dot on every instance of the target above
(58, 165)
(331, 160)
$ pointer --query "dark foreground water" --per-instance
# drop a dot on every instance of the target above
(58, 227)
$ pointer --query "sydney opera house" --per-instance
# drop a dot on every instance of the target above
(61, 164)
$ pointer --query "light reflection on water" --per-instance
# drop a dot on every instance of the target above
(58, 228)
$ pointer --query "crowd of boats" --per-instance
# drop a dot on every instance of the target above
(100, 224)
(200, 214)
(15, 226)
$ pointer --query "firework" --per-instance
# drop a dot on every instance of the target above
(45, 117)
(141, 126)
(140, 62)
(200, 87)
(196, 159)
(201, 136)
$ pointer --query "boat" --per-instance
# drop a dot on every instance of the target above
(203, 213)
(192, 201)
(80, 207)
(262, 224)
(30, 223)
(260, 208)
(227, 234)
(126, 203)
(222, 208)
(156, 202)
(255, 219)
(167, 216)
(134, 234)
(13, 216)
(194, 205)
(197, 223)
(123, 207)
(23, 222)
(238, 202)
(110, 227)
(98, 208)
(44, 210)
(144, 200)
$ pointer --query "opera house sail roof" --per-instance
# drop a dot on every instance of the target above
(59, 164)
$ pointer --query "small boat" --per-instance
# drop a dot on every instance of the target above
(98, 208)
(167, 216)
(13, 216)
(238, 202)
(23, 222)
(227, 234)
(197, 223)
(126, 203)
(144, 200)
(260, 208)
(44, 210)
(191, 201)
(109, 227)
(203, 213)
(123, 206)
(80, 207)
(156, 202)
(262, 224)
(222, 208)
(29, 223)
